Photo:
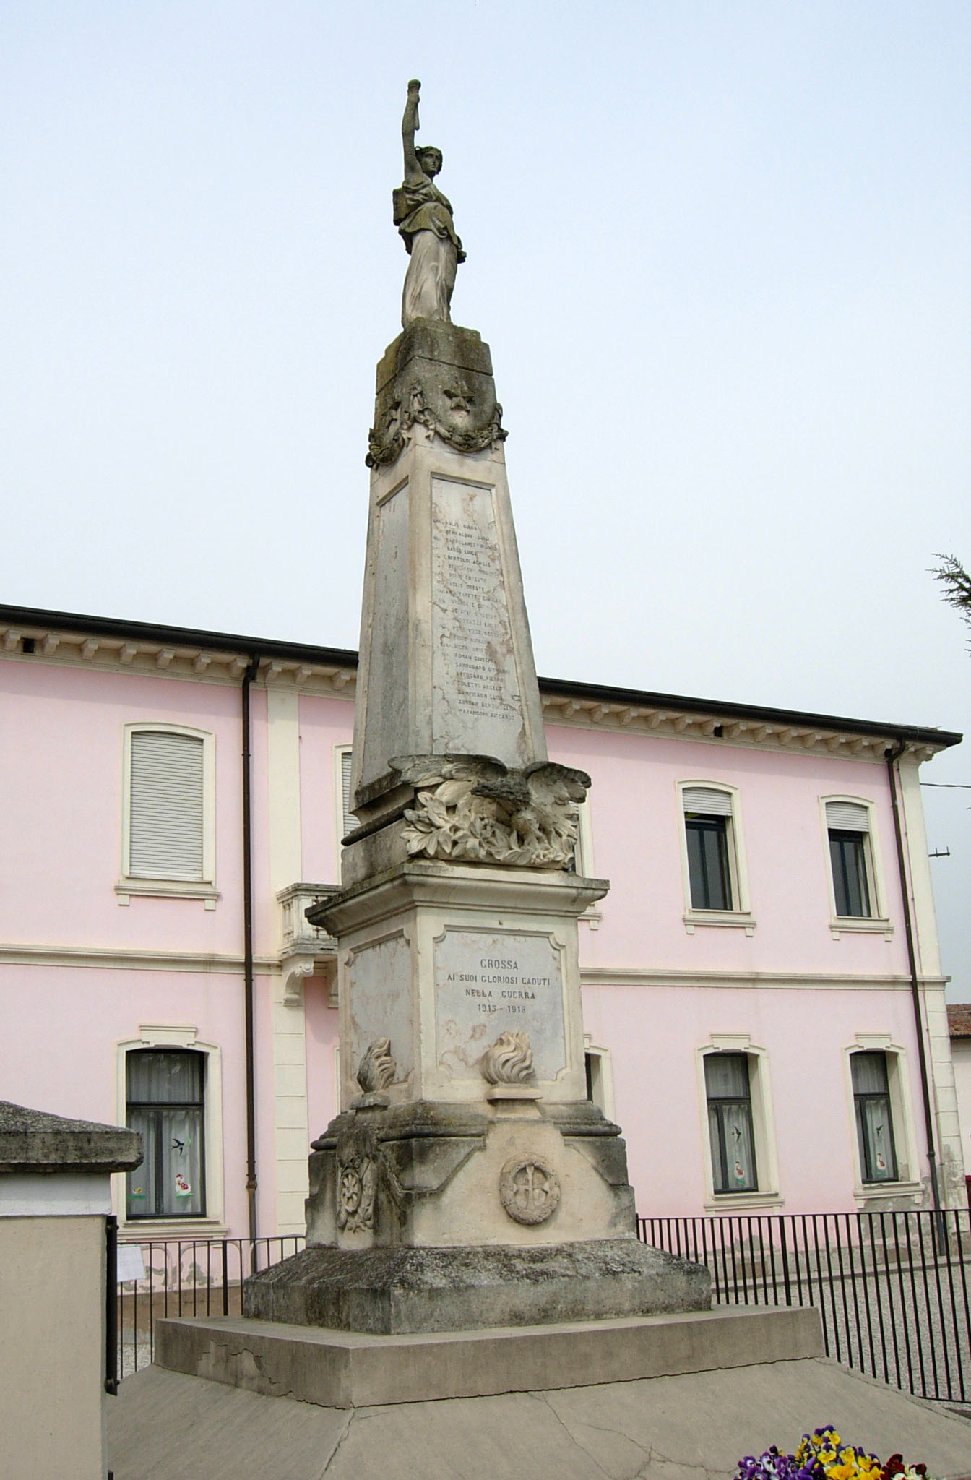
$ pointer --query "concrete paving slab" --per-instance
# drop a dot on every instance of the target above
(167, 1426)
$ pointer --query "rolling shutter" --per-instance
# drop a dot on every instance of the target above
(348, 820)
(167, 806)
(706, 801)
(847, 817)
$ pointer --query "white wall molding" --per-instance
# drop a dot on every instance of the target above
(605, 976)
(116, 959)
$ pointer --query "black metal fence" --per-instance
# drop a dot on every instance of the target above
(181, 1277)
(892, 1288)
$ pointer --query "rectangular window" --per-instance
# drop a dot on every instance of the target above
(708, 836)
(166, 1103)
(348, 819)
(730, 1128)
(166, 806)
(874, 1123)
(848, 827)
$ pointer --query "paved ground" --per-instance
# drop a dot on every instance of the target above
(164, 1426)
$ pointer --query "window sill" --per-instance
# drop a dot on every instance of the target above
(155, 1230)
(860, 925)
(873, 1192)
(167, 889)
(726, 919)
(722, 1202)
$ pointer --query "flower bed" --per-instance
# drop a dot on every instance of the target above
(822, 1455)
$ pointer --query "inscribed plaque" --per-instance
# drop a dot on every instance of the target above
(487, 983)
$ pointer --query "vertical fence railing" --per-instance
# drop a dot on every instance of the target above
(111, 1304)
(184, 1277)
(892, 1288)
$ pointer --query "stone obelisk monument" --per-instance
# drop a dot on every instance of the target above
(468, 1181)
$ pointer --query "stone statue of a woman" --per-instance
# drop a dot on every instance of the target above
(423, 216)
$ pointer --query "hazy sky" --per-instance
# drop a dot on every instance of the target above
(721, 252)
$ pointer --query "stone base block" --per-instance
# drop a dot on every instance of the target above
(394, 1291)
(349, 1370)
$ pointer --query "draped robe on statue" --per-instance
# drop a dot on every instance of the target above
(423, 216)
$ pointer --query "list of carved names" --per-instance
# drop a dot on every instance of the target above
(473, 640)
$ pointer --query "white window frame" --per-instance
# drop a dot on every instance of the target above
(603, 1080)
(343, 754)
(583, 853)
(908, 1183)
(763, 1125)
(740, 916)
(211, 1225)
(204, 888)
(878, 923)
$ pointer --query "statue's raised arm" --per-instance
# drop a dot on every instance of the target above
(409, 127)
(423, 216)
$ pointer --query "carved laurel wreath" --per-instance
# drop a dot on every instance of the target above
(386, 442)
(529, 819)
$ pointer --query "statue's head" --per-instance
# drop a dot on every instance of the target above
(430, 159)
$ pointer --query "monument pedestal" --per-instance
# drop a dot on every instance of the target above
(438, 962)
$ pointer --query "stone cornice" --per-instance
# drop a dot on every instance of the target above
(32, 635)
(34, 642)
(671, 722)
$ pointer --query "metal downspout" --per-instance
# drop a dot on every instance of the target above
(893, 771)
(252, 668)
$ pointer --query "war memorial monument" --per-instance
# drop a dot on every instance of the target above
(470, 1224)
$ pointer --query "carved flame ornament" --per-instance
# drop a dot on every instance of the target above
(529, 1190)
(509, 1060)
(377, 1068)
(480, 812)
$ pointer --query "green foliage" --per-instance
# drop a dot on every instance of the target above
(956, 582)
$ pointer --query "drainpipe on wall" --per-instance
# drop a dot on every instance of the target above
(252, 668)
(892, 757)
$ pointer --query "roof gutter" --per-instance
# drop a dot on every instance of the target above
(893, 772)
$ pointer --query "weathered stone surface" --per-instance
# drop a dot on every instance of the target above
(432, 1175)
(437, 376)
(446, 659)
(34, 1141)
(440, 920)
(459, 1289)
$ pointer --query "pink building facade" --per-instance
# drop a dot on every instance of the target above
(763, 997)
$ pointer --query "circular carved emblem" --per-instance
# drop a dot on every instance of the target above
(351, 1191)
(529, 1189)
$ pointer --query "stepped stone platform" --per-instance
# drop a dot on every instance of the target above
(350, 1369)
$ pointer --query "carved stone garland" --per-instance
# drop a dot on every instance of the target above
(480, 812)
(387, 440)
